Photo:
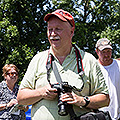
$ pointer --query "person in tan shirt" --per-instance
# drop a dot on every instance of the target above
(35, 88)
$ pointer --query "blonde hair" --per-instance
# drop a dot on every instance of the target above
(8, 67)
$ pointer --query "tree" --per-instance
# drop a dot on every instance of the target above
(23, 30)
(93, 18)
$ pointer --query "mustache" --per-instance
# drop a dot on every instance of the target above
(54, 38)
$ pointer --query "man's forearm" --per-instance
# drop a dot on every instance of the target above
(28, 96)
(98, 101)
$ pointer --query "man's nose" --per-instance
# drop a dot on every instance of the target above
(53, 32)
(106, 54)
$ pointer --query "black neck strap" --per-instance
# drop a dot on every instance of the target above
(78, 58)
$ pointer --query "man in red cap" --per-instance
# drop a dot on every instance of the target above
(71, 74)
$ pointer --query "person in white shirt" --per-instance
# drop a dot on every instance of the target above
(111, 71)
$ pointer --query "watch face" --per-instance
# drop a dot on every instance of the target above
(87, 100)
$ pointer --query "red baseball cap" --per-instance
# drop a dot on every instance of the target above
(61, 14)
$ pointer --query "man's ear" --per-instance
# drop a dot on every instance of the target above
(72, 31)
(97, 51)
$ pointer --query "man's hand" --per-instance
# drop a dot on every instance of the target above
(96, 101)
(48, 92)
(12, 102)
(72, 98)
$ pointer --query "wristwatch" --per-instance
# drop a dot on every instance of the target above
(87, 100)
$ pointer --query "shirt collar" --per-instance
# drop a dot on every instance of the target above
(71, 52)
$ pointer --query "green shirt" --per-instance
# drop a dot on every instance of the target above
(36, 77)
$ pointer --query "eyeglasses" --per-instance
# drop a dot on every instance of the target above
(12, 74)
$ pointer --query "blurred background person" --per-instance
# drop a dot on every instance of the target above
(8, 93)
(111, 71)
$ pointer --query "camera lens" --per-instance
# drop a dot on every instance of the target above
(62, 110)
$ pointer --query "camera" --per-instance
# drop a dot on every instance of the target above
(61, 89)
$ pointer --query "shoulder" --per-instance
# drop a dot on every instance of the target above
(3, 84)
(117, 62)
(89, 61)
(37, 61)
(41, 55)
(88, 57)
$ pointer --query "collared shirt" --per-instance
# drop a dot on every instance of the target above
(5, 96)
(36, 77)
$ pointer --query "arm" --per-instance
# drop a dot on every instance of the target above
(96, 101)
(28, 96)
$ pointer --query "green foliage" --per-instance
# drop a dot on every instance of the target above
(114, 36)
(23, 30)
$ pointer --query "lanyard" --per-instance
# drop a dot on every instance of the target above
(79, 59)
(79, 64)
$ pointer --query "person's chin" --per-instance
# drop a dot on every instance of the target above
(55, 44)
(107, 59)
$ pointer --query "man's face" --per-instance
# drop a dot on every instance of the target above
(59, 33)
(105, 56)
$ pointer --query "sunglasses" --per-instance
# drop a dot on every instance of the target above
(12, 74)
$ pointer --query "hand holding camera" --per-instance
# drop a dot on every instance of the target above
(61, 89)
(48, 93)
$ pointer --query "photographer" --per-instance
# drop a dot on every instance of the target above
(36, 87)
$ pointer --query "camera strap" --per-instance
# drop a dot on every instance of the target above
(50, 64)
(50, 60)
(79, 60)
(56, 73)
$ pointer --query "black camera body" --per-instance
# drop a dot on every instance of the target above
(61, 89)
